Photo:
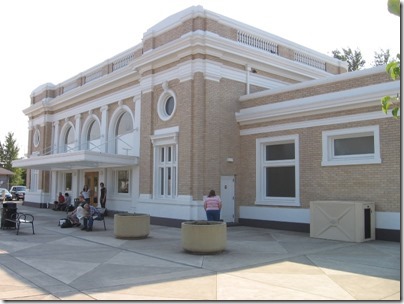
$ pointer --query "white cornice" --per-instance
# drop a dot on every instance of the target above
(212, 44)
(195, 11)
(88, 90)
(317, 82)
(316, 123)
(85, 107)
(324, 103)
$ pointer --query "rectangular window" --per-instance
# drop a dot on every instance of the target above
(353, 146)
(167, 171)
(278, 171)
(165, 163)
(123, 181)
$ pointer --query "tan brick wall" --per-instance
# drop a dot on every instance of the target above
(379, 183)
(208, 133)
(146, 152)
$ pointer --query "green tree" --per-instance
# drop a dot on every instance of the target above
(393, 69)
(354, 59)
(381, 58)
(19, 177)
(9, 152)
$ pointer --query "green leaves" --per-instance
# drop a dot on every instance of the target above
(388, 102)
(394, 7)
(393, 69)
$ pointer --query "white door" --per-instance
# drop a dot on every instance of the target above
(227, 196)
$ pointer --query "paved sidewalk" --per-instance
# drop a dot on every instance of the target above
(258, 264)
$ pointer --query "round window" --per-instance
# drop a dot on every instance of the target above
(37, 138)
(169, 107)
(166, 106)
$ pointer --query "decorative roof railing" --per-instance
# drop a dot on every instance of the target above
(122, 62)
(303, 58)
(272, 47)
(257, 42)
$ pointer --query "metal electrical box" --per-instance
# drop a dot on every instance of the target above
(342, 220)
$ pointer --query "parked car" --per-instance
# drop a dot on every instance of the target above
(18, 192)
(9, 197)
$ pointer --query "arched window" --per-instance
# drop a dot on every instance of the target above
(124, 135)
(93, 137)
(69, 140)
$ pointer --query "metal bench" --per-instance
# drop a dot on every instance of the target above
(101, 217)
(21, 218)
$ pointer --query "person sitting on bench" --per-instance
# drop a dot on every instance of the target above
(79, 213)
(60, 204)
(92, 214)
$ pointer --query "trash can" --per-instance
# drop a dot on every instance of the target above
(8, 210)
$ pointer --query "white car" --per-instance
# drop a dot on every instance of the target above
(9, 197)
(18, 192)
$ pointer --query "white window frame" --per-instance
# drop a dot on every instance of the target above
(116, 181)
(164, 139)
(330, 159)
(262, 164)
(163, 99)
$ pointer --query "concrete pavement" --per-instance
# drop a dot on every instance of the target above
(258, 264)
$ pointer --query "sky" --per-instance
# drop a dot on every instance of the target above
(53, 40)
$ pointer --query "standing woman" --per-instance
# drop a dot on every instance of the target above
(212, 205)
(86, 194)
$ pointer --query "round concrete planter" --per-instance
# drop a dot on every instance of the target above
(131, 225)
(204, 237)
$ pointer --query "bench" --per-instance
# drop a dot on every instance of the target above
(19, 218)
(101, 217)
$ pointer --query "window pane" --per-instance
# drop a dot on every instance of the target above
(69, 139)
(169, 152)
(279, 152)
(124, 124)
(280, 182)
(355, 145)
(161, 181)
(169, 181)
(173, 179)
(123, 182)
(93, 131)
(169, 106)
(68, 185)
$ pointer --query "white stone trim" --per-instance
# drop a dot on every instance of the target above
(316, 82)
(316, 123)
(384, 220)
(319, 104)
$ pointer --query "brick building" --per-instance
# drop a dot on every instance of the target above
(206, 102)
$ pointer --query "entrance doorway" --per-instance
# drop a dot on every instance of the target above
(227, 196)
(91, 180)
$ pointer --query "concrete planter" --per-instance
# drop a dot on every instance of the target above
(204, 237)
(131, 225)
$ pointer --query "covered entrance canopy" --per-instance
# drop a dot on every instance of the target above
(82, 159)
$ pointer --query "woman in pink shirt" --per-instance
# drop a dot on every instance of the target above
(212, 205)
